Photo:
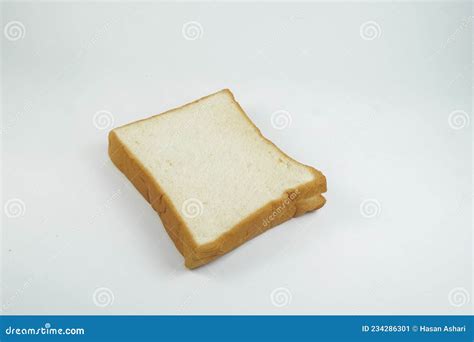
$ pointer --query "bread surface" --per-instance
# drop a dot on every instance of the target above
(212, 177)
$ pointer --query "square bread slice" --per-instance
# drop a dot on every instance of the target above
(214, 180)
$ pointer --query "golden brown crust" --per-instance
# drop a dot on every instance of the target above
(294, 202)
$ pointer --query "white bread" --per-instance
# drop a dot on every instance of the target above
(215, 181)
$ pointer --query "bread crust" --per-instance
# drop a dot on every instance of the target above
(293, 202)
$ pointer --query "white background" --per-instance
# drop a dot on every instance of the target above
(371, 114)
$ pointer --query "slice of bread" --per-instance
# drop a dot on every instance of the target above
(215, 181)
